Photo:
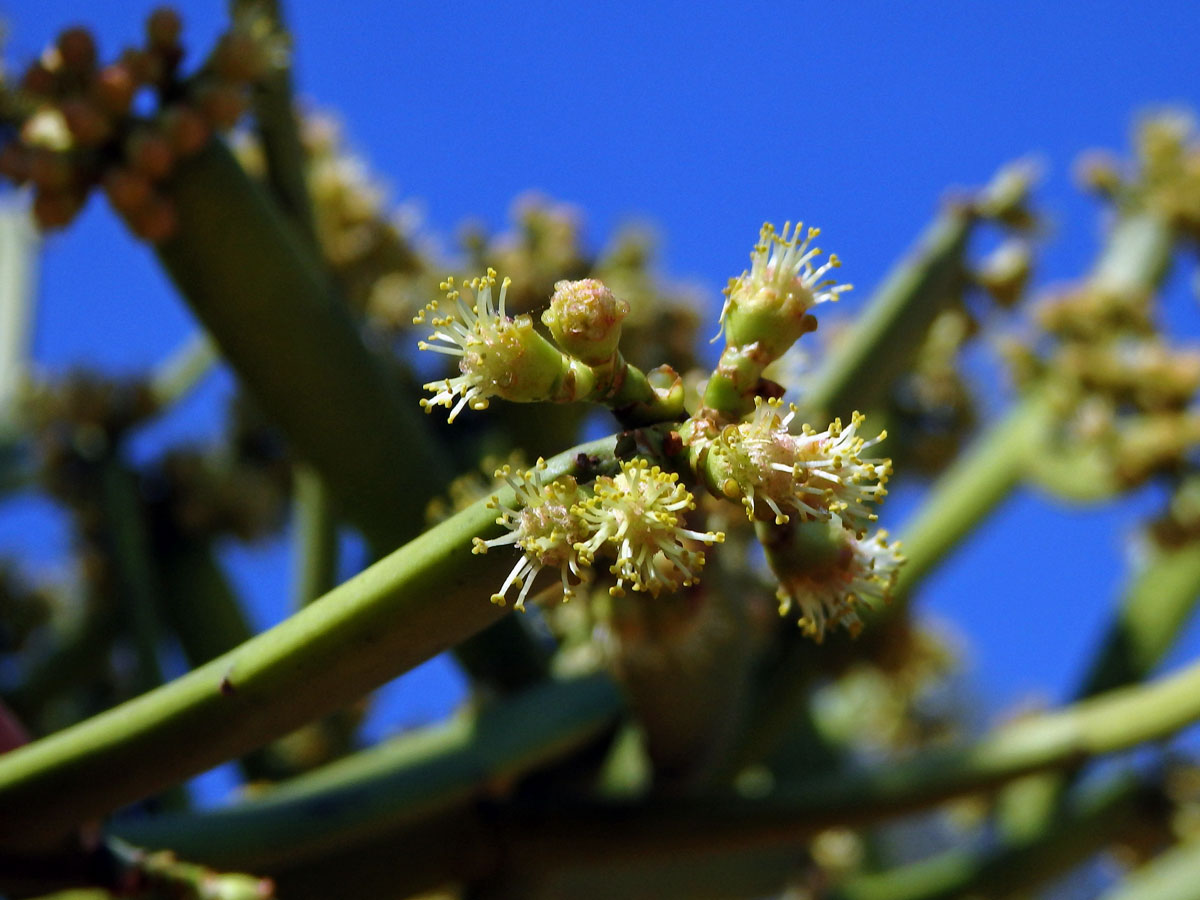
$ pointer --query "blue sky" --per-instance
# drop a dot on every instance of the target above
(853, 116)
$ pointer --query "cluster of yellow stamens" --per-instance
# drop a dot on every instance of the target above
(498, 356)
(634, 518)
(829, 594)
(637, 517)
(781, 285)
(540, 522)
(810, 475)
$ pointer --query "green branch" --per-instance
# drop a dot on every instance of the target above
(266, 302)
(422, 599)
(540, 837)
(888, 333)
(1016, 865)
(1174, 875)
(398, 782)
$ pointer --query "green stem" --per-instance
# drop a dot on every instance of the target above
(19, 243)
(556, 834)
(887, 335)
(420, 600)
(1149, 621)
(129, 550)
(315, 552)
(183, 370)
(267, 304)
(1174, 875)
(1146, 626)
(399, 782)
(1014, 866)
(565, 833)
(276, 125)
(971, 488)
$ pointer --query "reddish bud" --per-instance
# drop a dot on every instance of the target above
(86, 122)
(163, 28)
(77, 48)
(55, 209)
(186, 129)
(126, 190)
(114, 88)
(150, 153)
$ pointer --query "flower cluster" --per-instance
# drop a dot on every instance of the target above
(540, 522)
(811, 475)
(637, 516)
(769, 304)
(829, 592)
(634, 517)
(498, 356)
(79, 127)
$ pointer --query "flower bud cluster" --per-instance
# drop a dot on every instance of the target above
(795, 486)
(77, 126)
(503, 356)
(635, 518)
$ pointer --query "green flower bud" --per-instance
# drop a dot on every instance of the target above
(498, 356)
(585, 319)
(769, 305)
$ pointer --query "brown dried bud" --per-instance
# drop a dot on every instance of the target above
(143, 67)
(39, 80)
(14, 163)
(114, 88)
(49, 170)
(155, 221)
(222, 105)
(77, 48)
(163, 28)
(186, 129)
(55, 209)
(87, 123)
(127, 191)
(149, 152)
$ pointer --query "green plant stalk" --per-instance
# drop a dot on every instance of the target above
(399, 782)
(267, 304)
(276, 125)
(563, 833)
(129, 551)
(315, 549)
(1014, 866)
(422, 599)
(208, 619)
(1173, 875)
(971, 489)
(888, 333)
(1147, 624)
(19, 242)
(265, 300)
(183, 370)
